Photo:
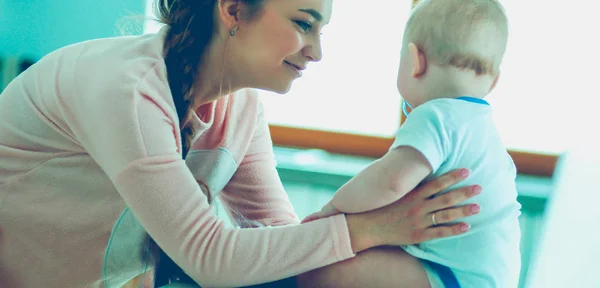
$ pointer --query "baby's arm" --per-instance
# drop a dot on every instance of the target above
(381, 183)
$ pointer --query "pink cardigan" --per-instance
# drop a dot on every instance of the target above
(90, 160)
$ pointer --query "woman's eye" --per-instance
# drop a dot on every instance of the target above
(305, 26)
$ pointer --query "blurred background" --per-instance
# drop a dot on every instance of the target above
(539, 104)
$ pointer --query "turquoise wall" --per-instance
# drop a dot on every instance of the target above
(34, 28)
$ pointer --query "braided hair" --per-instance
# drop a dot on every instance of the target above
(191, 28)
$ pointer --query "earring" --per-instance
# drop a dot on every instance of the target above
(233, 31)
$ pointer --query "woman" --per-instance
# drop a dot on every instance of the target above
(93, 185)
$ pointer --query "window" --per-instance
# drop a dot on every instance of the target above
(354, 106)
(527, 107)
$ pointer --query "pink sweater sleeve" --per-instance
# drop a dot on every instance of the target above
(132, 134)
(255, 196)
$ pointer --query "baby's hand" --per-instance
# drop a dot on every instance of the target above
(328, 210)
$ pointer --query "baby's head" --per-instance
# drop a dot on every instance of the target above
(452, 48)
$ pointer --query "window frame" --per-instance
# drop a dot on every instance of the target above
(537, 164)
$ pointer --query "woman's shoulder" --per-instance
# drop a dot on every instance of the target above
(120, 59)
(115, 75)
(110, 69)
(107, 54)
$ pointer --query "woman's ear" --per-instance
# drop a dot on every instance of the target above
(229, 12)
(418, 60)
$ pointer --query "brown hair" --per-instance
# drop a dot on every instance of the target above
(191, 28)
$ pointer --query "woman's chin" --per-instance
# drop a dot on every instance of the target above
(282, 88)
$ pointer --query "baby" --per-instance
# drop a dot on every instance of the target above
(450, 60)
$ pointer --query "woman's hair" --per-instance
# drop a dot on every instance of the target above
(191, 28)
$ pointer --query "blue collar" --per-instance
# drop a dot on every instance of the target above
(464, 98)
(473, 99)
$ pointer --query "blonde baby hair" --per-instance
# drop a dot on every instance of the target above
(467, 34)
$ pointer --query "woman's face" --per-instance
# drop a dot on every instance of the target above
(272, 50)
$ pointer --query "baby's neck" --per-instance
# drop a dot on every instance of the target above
(453, 82)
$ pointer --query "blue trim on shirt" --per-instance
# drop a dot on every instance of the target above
(464, 98)
(404, 105)
(473, 99)
(446, 275)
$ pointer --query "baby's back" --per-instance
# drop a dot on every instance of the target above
(488, 255)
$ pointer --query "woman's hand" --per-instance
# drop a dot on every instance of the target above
(411, 219)
(326, 211)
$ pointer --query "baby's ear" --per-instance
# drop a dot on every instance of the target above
(418, 60)
(495, 82)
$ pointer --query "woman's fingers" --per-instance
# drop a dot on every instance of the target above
(315, 216)
(441, 232)
(441, 183)
(412, 218)
(310, 218)
(451, 198)
(450, 215)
